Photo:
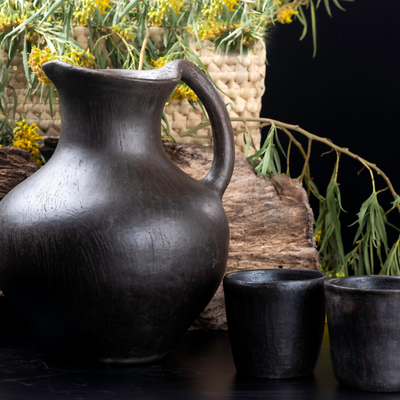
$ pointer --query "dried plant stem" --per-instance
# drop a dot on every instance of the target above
(141, 58)
(343, 150)
(288, 157)
(371, 173)
(307, 160)
(289, 127)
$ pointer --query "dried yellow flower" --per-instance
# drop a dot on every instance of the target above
(38, 57)
(162, 8)
(87, 7)
(26, 137)
(182, 91)
(285, 15)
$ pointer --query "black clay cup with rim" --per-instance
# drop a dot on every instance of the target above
(364, 329)
(276, 321)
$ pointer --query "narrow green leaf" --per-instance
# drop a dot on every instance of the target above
(365, 257)
(303, 20)
(314, 27)
(168, 130)
(25, 60)
(51, 99)
(279, 143)
(371, 254)
(277, 163)
(20, 28)
(338, 5)
(328, 9)
(247, 142)
(173, 15)
(51, 10)
(380, 226)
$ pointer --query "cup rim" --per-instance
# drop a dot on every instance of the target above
(228, 277)
(334, 284)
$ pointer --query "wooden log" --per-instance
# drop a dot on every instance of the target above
(270, 223)
(15, 166)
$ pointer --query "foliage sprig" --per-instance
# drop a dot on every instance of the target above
(370, 241)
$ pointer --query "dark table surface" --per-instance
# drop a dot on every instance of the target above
(199, 367)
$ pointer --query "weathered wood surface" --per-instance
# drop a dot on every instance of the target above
(15, 166)
(270, 224)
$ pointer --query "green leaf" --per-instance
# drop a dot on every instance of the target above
(279, 143)
(314, 27)
(25, 60)
(396, 202)
(339, 198)
(246, 152)
(98, 17)
(277, 162)
(365, 258)
(168, 130)
(15, 32)
(338, 5)
(15, 99)
(380, 227)
(332, 207)
(303, 20)
(226, 13)
(328, 9)
(173, 15)
(128, 8)
(13, 49)
(56, 4)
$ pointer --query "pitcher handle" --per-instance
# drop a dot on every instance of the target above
(224, 148)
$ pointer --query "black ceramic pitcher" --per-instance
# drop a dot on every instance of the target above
(110, 251)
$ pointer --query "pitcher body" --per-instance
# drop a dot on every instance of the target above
(110, 251)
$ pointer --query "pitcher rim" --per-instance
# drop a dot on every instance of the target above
(123, 74)
(334, 284)
(230, 277)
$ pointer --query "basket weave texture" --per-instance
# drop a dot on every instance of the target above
(241, 79)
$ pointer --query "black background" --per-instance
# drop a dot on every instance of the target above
(348, 93)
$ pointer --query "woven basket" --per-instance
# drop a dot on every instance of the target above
(240, 78)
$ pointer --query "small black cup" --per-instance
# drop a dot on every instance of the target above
(364, 331)
(276, 321)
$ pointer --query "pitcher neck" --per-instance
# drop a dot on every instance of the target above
(116, 110)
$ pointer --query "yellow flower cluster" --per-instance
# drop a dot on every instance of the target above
(162, 8)
(212, 30)
(213, 7)
(37, 58)
(126, 33)
(332, 274)
(80, 58)
(284, 16)
(26, 137)
(87, 7)
(182, 91)
(32, 37)
(319, 236)
(10, 22)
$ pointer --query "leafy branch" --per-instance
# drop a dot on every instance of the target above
(371, 238)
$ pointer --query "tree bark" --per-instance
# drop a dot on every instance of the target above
(15, 166)
(270, 222)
